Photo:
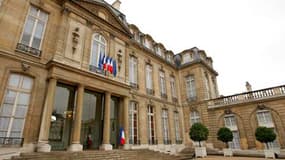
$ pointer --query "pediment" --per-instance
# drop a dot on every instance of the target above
(99, 8)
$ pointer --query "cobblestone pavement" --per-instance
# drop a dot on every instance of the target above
(229, 158)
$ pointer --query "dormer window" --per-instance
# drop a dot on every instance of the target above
(186, 58)
(168, 57)
(158, 51)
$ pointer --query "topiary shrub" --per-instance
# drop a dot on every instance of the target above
(265, 135)
(199, 132)
(225, 135)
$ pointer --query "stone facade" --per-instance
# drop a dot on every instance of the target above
(64, 57)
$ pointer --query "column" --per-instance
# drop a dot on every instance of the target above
(76, 146)
(106, 130)
(43, 145)
(172, 135)
(143, 127)
(126, 122)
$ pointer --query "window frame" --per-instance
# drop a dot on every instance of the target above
(18, 90)
(100, 44)
(35, 24)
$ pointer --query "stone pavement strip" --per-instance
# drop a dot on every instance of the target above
(229, 158)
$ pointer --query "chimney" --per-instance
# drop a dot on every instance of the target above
(117, 4)
(248, 87)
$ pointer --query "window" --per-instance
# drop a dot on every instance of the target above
(162, 84)
(151, 125)
(168, 57)
(194, 117)
(149, 85)
(230, 122)
(158, 51)
(165, 127)
(133, 123)
(33, 32)
(186, 58)
(98, 47)
(190, 88)
(264, 119)
(177, 128)
(173, 88)
(133, 72)
(207, 90)
(15, 106)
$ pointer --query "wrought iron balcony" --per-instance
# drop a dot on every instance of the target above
(166, 141)
(174, 99)
(134, 85)
(178, 141)
(136, 142)
(150, 91)
(28, 49)
(163, 95)
(191, 99)
(95, 69)
(152, 141)
(11, 141)
(249, 96)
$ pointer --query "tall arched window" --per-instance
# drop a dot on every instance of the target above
(98, 47)
(14, 107)
(264, 119)
(231, 123)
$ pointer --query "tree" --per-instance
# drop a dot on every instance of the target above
(198, 132)
(265, 135)
(225, 135)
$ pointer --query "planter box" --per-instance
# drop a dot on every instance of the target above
(269, 153)
(200, 152)
(228, 152)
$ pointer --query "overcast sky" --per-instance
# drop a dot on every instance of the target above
(245, 38)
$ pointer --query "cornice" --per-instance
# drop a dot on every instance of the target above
(52, 63)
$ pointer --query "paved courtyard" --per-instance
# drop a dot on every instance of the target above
(228, 158)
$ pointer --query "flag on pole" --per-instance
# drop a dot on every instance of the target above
(101, 56)
(110, 66)
(122, 136)
(114, 68)
(105, 64)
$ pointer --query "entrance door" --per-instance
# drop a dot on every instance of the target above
(114, 122)
(92, 118)
(62, 116)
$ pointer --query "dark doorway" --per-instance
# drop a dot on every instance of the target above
(114, 122)
(92, 120)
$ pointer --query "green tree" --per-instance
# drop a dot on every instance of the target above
(198, 132)
(225, 135)
(265, 135)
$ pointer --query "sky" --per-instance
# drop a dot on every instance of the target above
(245, 38)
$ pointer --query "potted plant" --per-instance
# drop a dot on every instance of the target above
(266, 135)
(198, 132)
(225, 135)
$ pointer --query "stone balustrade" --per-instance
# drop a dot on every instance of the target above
(249, 96)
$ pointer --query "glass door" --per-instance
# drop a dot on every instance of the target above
(92, 118)
(62, 116)
(114, 122)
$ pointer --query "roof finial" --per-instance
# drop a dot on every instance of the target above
(116, 4)
(248, 86)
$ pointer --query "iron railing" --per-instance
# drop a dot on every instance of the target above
(11, 141)
(28, 49)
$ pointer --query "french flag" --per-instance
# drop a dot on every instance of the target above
(110, 65)
(122, 136)
(105, 63)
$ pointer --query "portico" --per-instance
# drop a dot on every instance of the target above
(79, 114)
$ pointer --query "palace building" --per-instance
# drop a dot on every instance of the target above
(74, 73)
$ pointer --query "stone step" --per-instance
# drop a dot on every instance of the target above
(100, 155)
